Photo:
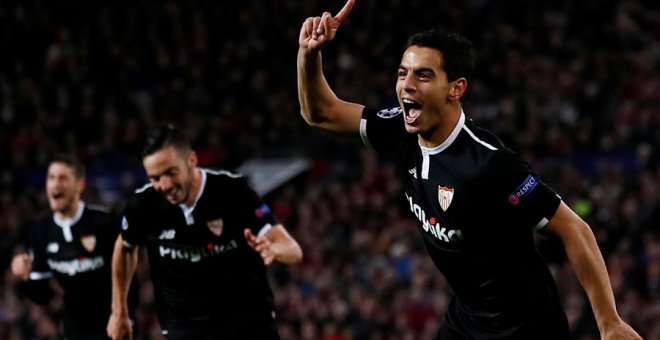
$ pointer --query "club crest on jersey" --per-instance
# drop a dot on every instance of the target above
(445, 195)
(389, 113)
(89, 242)
(216, 226)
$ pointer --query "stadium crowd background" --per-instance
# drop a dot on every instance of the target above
(572, 85)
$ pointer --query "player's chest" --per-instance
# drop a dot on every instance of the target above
(179, 226)
(440, 196)
(198, 238)
(73, 242)
(76, 253)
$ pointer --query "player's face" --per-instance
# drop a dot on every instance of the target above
(171, 173)
(63, 188)
(422, 89)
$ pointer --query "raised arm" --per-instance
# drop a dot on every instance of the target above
(589, 267)
(276, 245)
(319, 105)
(124, 263)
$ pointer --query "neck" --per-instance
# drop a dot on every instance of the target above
(195, 187)
(441, 131)
(70, 212)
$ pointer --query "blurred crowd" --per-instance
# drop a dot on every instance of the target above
(574, 86)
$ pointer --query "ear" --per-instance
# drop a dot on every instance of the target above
(81, 183)
(458, 87)
(192, 159)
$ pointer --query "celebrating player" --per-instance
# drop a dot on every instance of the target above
(209, 238)
(74, 244)
(478, 203)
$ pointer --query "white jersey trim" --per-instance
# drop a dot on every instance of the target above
(66, 224)
(542, 223)
(265, 229)
(187, 211)
(222, 172)
(478, 140)
(363, 134)
(40, 275)
(427, 152)
(452, 137)
(143, 188)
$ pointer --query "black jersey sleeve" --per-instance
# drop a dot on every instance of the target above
(37, 288)
(519, 193)
(37, 245)
(256, 214)
(382, 130)
(133, 227)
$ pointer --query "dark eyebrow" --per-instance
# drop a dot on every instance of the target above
(417, 71)
(161, 173)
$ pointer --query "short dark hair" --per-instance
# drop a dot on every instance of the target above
(457, 51)
(165, 135)
(71, 161)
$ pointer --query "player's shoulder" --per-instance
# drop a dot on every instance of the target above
(143, 197)
(97, 214)
(483, 137)
(97, 209)
(223, 177)
(40, 225)
(222, 173)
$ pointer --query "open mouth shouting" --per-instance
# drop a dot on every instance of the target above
(57, 200)
(411, 109)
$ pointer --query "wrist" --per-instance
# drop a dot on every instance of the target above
(120, 311)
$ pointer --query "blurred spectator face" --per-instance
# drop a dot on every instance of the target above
(422, 88)
(170, 171)
(63, 188)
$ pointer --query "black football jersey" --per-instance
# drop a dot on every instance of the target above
(207, 280)
(78, 254)
(478, 204)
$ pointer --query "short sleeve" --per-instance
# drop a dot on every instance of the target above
(384, 130)
(133, 230)
(37, 249)
(521, 195)
(256, 213)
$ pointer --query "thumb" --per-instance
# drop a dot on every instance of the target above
(249, 235)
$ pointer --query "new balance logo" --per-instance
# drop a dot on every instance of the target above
(413, 172)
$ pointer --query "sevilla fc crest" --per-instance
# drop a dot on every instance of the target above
(215, 226)
(89, 242)
(445, 195)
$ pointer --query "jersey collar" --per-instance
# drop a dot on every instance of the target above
(187, 211)
(66, 223)
(452, 137)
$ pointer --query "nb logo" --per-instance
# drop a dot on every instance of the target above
(167, 234)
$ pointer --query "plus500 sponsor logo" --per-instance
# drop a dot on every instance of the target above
(433, 227)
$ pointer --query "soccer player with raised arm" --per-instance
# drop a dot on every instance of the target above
(478, 203)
